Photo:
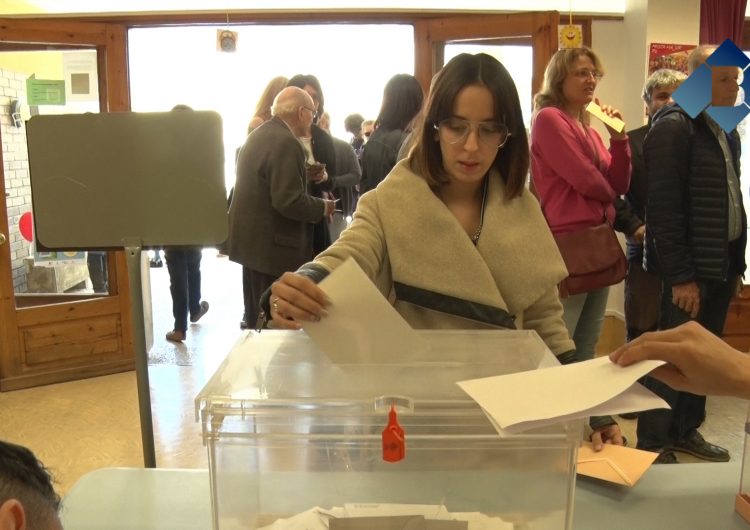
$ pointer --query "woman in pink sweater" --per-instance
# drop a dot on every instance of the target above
(576, 177)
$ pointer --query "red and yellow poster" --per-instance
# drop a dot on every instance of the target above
(673, 56)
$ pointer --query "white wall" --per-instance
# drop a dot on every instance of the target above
(607, 40)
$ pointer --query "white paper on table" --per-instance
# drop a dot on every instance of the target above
(361, 326)
(524, 400)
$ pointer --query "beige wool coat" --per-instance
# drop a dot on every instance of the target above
(420, 257)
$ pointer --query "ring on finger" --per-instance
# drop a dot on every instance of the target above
(274, 304)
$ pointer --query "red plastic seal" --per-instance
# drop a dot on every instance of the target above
(394, 445)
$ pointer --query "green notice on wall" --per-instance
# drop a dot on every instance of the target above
(45, 92)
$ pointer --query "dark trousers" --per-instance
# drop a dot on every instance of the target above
(664, 428)
(184, 266)
(97, 265)
(254, 284)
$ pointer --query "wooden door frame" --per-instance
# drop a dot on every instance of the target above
(110, 41)
(539, 29)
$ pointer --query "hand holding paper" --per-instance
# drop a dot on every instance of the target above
(613, 122)
(361, 325)
(525, 400)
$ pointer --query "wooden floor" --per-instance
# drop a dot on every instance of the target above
(84, 425)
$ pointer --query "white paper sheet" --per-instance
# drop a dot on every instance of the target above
(521, 401)
(317, 518)
(361, 326)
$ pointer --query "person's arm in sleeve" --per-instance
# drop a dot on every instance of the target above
(297, 294)
(286, 173)
(348, 165)
(667, 154)
(545, 317)
(618, 174)
(626, 219)
(324, 151)
(557, 144)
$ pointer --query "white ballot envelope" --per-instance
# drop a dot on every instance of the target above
(526, 400)
(595, 110)
(361, 326)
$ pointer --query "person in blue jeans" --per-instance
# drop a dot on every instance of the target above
(184, 266)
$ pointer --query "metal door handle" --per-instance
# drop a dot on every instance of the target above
(2, 238)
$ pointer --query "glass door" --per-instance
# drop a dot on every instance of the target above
(64, 315)
(37, 83)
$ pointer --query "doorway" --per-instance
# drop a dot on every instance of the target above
(63, 315)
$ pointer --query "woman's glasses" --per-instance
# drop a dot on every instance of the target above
(489, 133)
(585, 74)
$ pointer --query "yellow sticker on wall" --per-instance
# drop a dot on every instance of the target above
(570, 36)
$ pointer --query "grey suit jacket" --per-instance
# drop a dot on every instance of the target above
(272, 211)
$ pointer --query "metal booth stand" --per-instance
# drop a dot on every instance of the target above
(129, 181)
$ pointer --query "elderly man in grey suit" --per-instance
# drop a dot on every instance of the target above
(272, 213)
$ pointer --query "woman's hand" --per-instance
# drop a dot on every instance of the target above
(294, 299)
(612, 113)
(610, 434)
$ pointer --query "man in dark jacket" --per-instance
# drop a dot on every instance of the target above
(272, 213)
(642, 289)
(696, 233)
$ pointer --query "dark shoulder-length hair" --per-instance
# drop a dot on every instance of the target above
(402, 101)
(512, 160)
(300, 80)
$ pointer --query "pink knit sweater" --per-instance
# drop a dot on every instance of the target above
(574, 190)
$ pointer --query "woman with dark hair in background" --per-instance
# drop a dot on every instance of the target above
(321, 161)
(402, 101)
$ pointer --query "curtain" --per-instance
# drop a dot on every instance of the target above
(721, 20)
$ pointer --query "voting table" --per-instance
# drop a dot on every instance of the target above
(683, 496)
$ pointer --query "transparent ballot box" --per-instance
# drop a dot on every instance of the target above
(742, 502)
(296, 441)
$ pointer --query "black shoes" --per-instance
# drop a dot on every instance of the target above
(694, 444)
(204, 309)
(666, 457)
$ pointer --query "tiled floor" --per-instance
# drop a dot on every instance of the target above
(84, 425)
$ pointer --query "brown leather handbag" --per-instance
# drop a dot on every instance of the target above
(593, 257)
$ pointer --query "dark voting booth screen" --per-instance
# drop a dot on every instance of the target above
(109, 180)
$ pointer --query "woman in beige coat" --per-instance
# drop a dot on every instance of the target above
(452, 235)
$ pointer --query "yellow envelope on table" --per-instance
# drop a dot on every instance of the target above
(614, 463)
